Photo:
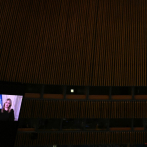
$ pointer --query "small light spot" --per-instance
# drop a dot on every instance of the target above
(72, 90)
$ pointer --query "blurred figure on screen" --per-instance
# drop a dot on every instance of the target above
(6, 113)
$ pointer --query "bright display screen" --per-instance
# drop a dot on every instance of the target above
(10, 107)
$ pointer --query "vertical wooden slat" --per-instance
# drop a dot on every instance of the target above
(98, 55)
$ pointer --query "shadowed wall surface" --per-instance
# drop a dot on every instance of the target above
(79, 109)
(80, 42)
(81, 138)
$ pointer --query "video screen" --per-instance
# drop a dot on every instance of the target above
(10, 107)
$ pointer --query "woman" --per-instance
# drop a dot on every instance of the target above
(6, 113)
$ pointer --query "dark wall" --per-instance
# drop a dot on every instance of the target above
(74, 42)
(82, 138)
(83, 109)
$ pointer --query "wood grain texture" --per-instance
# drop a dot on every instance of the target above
(82, 109)
(79, 42)
(80, 138)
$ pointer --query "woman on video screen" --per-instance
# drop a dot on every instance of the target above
(6, 113)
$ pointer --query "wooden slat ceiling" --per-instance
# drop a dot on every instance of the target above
(79, 42)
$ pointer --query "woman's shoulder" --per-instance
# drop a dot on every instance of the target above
(11, 110)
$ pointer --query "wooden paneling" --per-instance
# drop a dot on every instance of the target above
(75, 96)
(138, 128)
(140, 96)
(120, 129)
(94, 97)
(32, 95)
(83, 109)
(64, 42)
(53, 96)
(121, 97)
(81, 138)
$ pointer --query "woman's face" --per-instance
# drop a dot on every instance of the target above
(7, 104)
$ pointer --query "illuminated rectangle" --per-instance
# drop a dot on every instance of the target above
(10, 107)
